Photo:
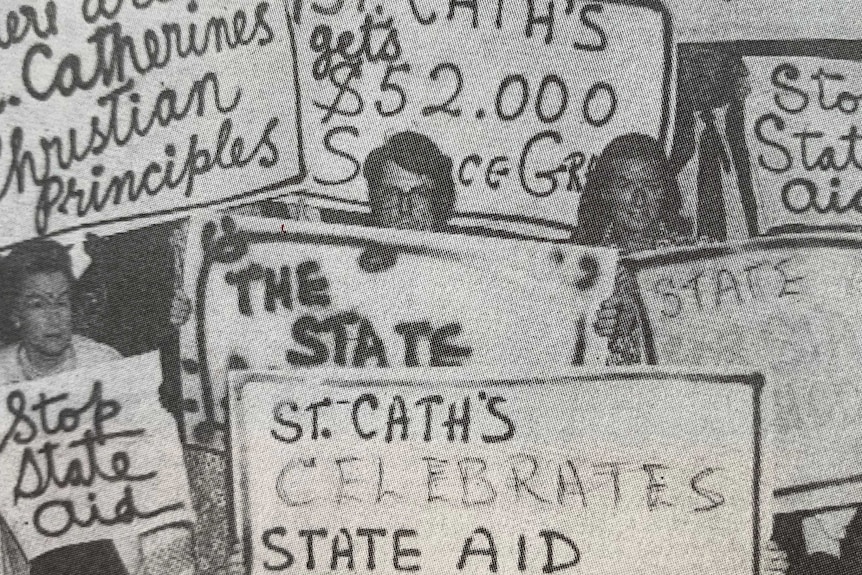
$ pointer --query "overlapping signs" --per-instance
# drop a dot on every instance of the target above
(521, 95)
(492, 471)
(789, 305)
(270, 294)
(119, 114)
(90, 455)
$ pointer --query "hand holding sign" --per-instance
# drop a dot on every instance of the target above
(607, 319)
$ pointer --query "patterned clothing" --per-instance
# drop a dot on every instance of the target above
(626, 345)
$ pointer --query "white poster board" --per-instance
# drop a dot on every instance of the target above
(520, 95)
(504, 472)
(90, 455)
(790, 306)
(121, 113)
(272, 294)
(804, 141)
(762, 20)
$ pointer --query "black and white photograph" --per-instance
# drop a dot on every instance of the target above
(430, 286)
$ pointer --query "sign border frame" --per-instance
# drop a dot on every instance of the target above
(348, 378)
(184, 208)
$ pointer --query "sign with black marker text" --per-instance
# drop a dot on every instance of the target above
(520, 95)
(495, 471)
(806, 148)
(90, 455)
(286, 294)
(129, 110)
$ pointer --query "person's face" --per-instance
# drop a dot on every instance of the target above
(44, 313)
(402, 200)
(635, 194)
(698, 78)
(709, 80)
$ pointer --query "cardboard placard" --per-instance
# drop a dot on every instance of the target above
(270, 294)
(123, 113)
(90, 455)
(501, 471)
(788, 305)
(804, 142)
(520, 95)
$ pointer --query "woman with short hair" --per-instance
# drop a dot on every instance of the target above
(37, 286)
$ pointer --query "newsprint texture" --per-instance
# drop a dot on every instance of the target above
(479, 287)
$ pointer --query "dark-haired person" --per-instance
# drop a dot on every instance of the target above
(410, 187)
(37, 285)
(630, 202)
(410, 184)
(710, 155)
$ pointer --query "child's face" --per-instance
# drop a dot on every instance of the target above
(636, 194)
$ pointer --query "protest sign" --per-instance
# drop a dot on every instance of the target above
(520, 95)
(804, 142)
(789, 305)
(501, 472)
(90, 455)
(710, 21)
(271, 294)
(124, 111)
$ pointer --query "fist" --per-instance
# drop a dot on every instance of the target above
(181, 309)
(776, 561)
(607, 318)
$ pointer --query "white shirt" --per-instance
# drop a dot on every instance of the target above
(85, 352)
(737, 228)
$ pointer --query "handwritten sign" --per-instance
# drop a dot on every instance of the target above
(477, 472)
(278, 294)
(801, 126)
(124, 111)
(789, 305)
(521, 95)
(733, 20)
(90, 455)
